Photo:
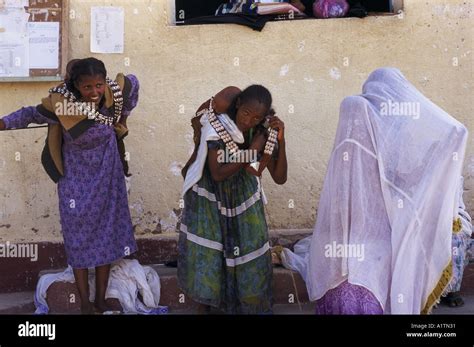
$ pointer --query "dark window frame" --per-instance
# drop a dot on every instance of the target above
(190, 9)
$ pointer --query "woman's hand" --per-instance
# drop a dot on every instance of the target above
(278, 124)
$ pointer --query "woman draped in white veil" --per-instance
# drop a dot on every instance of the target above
(382, 240)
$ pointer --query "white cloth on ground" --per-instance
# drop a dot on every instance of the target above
(391, 190)
(297, 260)
(127, 279)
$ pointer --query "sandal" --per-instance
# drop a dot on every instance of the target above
(276, 255)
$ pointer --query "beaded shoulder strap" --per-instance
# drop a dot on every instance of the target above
(227, 138)
(221, 130)
(118, 98)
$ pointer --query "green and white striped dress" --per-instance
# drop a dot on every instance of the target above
(224, 252)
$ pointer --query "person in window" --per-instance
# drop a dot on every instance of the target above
(86, 120)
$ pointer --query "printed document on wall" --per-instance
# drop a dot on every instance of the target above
(107, 29)
(14, 45)
(44, 45)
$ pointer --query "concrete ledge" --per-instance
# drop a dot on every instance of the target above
(288, 289)
(59, 295)
(17, 303)
(21, 274)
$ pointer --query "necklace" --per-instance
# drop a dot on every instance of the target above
(225, 136)
(90, 112)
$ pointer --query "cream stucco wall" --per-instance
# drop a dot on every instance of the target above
(308, 65)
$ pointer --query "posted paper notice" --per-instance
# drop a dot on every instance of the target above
(44, 45)
(107, 29)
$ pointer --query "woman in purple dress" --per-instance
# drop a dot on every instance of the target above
(84, 154)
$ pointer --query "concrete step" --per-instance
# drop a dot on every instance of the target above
(21, 274)
(17, 303)
(22, 303)
(59, 295)
(279, 309)
(288, 289)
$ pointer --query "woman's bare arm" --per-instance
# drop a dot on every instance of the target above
(222, 171)
(222, 100)
(278, 167)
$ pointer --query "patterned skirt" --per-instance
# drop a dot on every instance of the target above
(348, 298)
(224, 252)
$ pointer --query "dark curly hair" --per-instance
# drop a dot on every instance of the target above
(84, 67)
(253, 92)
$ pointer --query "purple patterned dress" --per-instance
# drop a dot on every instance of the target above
(93, 203)
(348, 298)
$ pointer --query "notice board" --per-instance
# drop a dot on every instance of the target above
(33, 40)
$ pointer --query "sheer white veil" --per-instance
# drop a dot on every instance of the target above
(389, 197)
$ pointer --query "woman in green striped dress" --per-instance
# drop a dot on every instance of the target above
(224, 252)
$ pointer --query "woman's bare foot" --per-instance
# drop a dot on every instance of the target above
(104, 306)
(87, 308)
(101, 307)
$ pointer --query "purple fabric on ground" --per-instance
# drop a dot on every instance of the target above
(348, 298)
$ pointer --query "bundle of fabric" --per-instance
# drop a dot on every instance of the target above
(389, 199)
(330, 8)
(297, 260)
(237, 6)
(356, 8)
(127, 280)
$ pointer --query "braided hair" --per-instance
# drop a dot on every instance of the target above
(84, 67)
(253, 92)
